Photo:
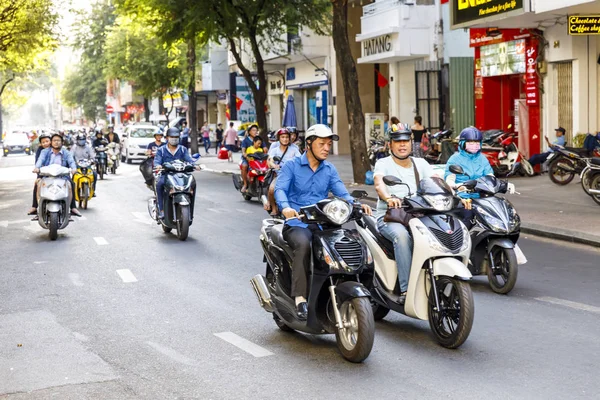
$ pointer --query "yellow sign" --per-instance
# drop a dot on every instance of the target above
(584, 25)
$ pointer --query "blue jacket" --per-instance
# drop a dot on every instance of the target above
(163, 155)
(46, 155)
(474, 165)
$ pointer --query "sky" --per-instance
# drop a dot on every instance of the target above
(64, 55)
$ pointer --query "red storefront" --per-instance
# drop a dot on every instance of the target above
(507, 83)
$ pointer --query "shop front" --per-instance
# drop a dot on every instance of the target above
(308, 83)
(507, 93)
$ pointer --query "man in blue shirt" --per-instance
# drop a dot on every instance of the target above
(542, 157)
(167, 154)
(304, 181)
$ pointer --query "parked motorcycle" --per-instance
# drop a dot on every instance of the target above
(440, 148)
(593, 177)
(84, 183)
(564, 163)
(494, 234)
(377, 150)
(54, 198)
(438, 284)
(506, 155)
(179, 198)
(257, 171)
(114, 159)
(337, 301)
(101, 161)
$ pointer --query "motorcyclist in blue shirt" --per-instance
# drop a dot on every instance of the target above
(474, 164)
(167, 154)
(304, 181)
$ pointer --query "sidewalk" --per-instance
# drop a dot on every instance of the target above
(558, 212)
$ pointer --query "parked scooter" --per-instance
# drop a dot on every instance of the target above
(101, 160)
(337, 301)
(564, 163)
(54, 198)
(436, 153)
(438, 287)
(494, 234)
(84, 183)
(377, 150)
(114, 159)
(506, 155)
(257, 171)
(592, 175)
(179, 198)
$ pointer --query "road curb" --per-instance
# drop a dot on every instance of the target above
(561, 234)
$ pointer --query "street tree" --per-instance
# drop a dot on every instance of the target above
(135, 52)
(85, 84)
(349, 75)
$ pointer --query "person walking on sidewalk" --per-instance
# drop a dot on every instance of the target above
(206, 137)
(418, 131)
(230, 139)
(185, 135)
(219, 133)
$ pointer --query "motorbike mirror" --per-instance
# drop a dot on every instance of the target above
(277, 159)
(456, 169)
(359, 194)
(392, 180)
(470, 184)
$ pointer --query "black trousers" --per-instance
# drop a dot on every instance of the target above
(300, 240)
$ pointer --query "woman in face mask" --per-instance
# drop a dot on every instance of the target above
(474, 164)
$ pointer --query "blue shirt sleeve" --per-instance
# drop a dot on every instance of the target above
(70, 160)
(487, 168)
(284, 181)
(158, 157)
(337, 187)
(40, 161)
(186, 155)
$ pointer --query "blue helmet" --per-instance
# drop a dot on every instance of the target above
(469, 134)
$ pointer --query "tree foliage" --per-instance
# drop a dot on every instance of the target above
(85, 84)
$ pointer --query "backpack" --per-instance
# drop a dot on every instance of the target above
(591, 142)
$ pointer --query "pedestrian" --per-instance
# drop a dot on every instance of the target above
(230, 139)
(386, 119)
(219, 137)
(185, 135)
(206, 137)
(418, 132)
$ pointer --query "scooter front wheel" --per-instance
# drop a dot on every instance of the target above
(560, 171)
(183, 222)
(527, 167)
(355, 338)
(503, 276)
(53, 226)
(452, 323)
(595, 184)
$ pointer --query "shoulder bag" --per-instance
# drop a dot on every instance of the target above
(399, 215)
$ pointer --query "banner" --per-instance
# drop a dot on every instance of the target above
(580, 25)
(531, 77)
(470, 12)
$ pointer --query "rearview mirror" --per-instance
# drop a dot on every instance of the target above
(359, 194)
(392, 180)
(277, 159)
(470, 184)
(456, 169)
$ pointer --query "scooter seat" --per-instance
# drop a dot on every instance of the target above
(595, 161)
(277, 238)
(371, 224)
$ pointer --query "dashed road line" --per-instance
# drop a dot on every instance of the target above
(126, 276)
(570, 304)
(244, 344)
(215, 210)
(243, 211)
(100, 241)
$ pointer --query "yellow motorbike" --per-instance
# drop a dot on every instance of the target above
(84, 183)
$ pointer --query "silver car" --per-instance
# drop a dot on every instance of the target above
(135, 141)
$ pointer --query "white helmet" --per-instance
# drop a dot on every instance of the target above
(321, 131)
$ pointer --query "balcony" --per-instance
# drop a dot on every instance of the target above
(397, 30)
(298, 47)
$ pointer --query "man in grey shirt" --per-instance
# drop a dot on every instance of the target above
(81, 151)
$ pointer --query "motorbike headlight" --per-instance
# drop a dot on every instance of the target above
(497, 225)
(433, 242)
(338, 211)
(466, 239)
(439, 202)
(514, 221)
(369, 255)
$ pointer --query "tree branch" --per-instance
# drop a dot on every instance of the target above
(6, 83)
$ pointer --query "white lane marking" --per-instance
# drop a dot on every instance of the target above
(4, 224)
(214, 210)
(40, 262)
(570, 304)
(100, 241)
(20, 221)
(172, 354)
(75, 279)
(244, 344)
(144, 218)
(126, 275)
(243, 211)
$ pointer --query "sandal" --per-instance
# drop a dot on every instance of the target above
(32, 211)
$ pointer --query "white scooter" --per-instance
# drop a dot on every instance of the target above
(438, 287)
(54, 198)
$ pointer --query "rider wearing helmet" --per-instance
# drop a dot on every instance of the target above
(158, 142)
(111, 136)
(45, 140)
(167, 154)
(410, 170)
(246, 143)
(304, 181)
(81, 151)
(284, 151)
(99, 138)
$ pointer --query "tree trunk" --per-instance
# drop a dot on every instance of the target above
(356, 118)
(146, 109)
(161, 104)
(1, 119)
(192, 104)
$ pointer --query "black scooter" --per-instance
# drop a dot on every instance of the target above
(179, 198)
(337, 301)
(101, 160)
(494, 234)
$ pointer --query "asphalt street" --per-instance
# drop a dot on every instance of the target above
(117, 309)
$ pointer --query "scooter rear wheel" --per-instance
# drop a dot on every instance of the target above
(559, 175)
(503, 279)
(355, 338)
(452, 324)
(595, 185)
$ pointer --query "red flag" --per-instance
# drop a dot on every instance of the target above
(381, 80)
(238, 103)
(227, 113)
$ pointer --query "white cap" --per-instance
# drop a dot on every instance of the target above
(321, 131)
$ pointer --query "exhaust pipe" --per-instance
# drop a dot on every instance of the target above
(595, 191)
(259, 284)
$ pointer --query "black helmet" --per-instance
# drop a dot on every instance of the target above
(399, 133)
(98, 131)
(45, 135)
(292, 129)
(57, 135)
(173, 132)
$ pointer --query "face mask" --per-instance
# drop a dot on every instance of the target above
(173, 141)
(472, 147)
(81, 143)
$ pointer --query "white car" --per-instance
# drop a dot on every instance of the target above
(135, 141)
